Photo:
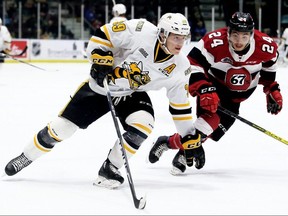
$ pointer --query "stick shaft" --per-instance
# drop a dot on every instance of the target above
(269, 133)
(129, 175)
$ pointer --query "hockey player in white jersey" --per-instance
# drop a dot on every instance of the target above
(5, 40)
(119, 13)
(137, 57)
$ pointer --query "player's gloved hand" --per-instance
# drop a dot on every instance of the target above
(191, 144)
(274, 98)
(197, 155)
(187, 142)
(193, 150)
(102, 65)
(208, 97)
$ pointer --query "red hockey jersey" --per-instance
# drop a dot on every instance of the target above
(236, 75)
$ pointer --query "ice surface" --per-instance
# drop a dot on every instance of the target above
(246, 172)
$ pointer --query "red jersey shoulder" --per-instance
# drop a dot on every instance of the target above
(215, 40)
(265, 45)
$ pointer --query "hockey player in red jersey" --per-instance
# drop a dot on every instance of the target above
(229, 62)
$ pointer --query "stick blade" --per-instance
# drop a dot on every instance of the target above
(141, 203)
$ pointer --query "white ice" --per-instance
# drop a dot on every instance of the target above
(246, 172)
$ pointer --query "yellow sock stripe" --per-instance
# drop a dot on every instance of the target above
(182, 118)
(129, 149)
(148, 130)
(180, 105)
(52, 134)
(40, 147)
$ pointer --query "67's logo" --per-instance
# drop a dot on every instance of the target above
(238, 79)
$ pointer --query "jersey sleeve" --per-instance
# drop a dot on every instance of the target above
(199, 64)
(269, 54)
(116, 35)
(179, 105)
(203, 53)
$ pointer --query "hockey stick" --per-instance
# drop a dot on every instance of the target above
(14, 55)
(16, 59)
(139, 203)
(230, 113)
(19, 54)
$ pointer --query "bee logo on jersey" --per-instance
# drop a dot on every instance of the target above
(133, 72)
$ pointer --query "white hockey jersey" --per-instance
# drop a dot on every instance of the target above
(141, 65)
(118, 19)
(5, 38)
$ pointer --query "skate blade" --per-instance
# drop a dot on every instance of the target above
(106, 183)
(3, 175)
(175, 171)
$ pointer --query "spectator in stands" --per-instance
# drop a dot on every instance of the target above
(89, 14)
(198, 28)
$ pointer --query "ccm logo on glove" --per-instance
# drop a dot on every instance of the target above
(208, 89)
(102, 65)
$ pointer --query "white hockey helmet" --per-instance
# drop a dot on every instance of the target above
(173, 23)
(118, 9)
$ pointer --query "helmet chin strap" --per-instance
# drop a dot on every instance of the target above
(163, 45)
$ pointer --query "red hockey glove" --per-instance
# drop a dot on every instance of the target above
(208, 97)
(273, 98)
(102, 65)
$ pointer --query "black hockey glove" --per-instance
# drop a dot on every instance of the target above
(197, 155)
(193, 150)
(192, 146)
(102, 65)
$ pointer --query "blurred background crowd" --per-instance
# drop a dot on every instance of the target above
(22, 16)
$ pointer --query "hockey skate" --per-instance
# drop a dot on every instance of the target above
(158, 148)
(109, 176)
(178, 163)
(17, 164)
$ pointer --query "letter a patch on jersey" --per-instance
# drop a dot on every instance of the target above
(168, 70)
